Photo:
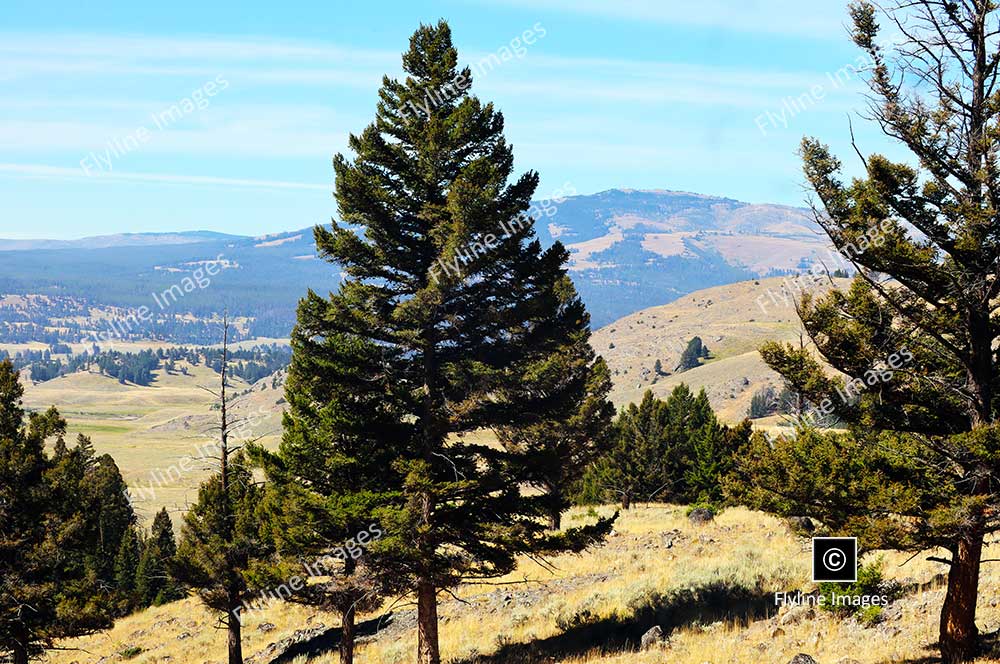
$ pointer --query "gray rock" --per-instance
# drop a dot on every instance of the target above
(802, 658)
(701, 515)
(801, 524)
(651, 637)
(797, 614)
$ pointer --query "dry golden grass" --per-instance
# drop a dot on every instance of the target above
(741, 549)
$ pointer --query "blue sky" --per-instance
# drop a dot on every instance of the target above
(652, 94)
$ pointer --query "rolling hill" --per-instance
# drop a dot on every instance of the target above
(729, 320)
(160, 434)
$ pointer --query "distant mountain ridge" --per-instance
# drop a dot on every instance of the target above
(117, 240)
(630, 249)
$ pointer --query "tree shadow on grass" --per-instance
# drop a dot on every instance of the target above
(988, 646)
(327, 641)
(704, 604)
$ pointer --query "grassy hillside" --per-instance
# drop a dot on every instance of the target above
(729, 321)
(156, 433)
(594, 608)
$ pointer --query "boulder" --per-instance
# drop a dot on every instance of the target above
(701, 515)
(802, 658)
(802, 524)
(651, 637)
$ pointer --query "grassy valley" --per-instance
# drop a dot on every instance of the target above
(152, 431)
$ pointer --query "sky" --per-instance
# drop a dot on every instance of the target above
(148, 117)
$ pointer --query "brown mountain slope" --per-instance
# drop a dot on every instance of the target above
(732, 320)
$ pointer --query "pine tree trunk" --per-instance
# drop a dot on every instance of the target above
(555, 518)
(20, 654)
(235, 644)
(427, 624)
(347, 618)
(347, 636)
(958, 615)
(626, 502)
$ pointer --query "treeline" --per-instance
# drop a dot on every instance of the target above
(134, 368)
(45, 365)
(22, 333)
(250, 364)
(58, 321)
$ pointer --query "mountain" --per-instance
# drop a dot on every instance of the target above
(629, 250)
(633, 249)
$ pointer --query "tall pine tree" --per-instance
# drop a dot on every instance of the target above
(105, 494)
(334, 467)
(917, 334)
(446, 294)
(154, 583)
(126, 567)
(634, 466)
(220, 544)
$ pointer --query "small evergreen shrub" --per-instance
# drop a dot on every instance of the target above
(840, 596)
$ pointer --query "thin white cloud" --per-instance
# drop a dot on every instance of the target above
(131, 48)
(569, 95)
(249, 64)
(27, 69)
(248, 135)
(59, 172)
(620, 68)
(810, 18)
